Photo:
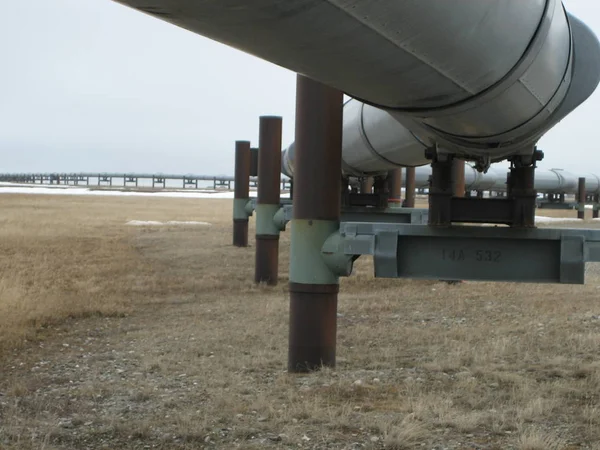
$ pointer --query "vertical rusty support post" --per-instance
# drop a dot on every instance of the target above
(596, 206)
(380, 189)
(316, 213)
(441, 190)
(523, 195)
(458, 177)
(366, 186)
(253, 162)
(241, 193)
(267, 201)
(581, 198)
(394, 180)
(411, 185)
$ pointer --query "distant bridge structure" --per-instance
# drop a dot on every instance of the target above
(115, 179)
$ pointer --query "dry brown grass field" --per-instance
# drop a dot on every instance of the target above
(121, 337)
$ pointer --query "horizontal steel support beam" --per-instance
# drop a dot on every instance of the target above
(480, 210)
(365, 199)
(282, 202)
(388, 215)
(358, 214)
(361, 214)
(556, 205)
(479, 253)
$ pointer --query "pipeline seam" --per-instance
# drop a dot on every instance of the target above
(551, 106)
(511, 77)
(367, 142)
(400, 46)
(474, 143)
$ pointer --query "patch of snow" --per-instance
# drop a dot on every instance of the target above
(16, 189)
(142, 223)
(544, 219)
(187, 222)
(38, 186)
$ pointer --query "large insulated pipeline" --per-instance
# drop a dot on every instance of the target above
(552, 181)
(482, 79)
(557, 71)
(592, 183)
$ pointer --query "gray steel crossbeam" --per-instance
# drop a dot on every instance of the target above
(537, 255)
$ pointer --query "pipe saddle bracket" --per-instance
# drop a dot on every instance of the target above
(269, 219)
(250, 207)
(280, 219)
(243, 208)
(335, 257)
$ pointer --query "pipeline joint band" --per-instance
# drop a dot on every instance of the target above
(302, 288)
(267, 237)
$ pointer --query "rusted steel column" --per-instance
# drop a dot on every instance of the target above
(366, 186)
(523, 195)
(441, 190)
(596, 206)
(267, 201)
(411, 186)
(253, 162)
(581, 198)
(316, 214)
(241, 193)
(458, 177)
(394, 180)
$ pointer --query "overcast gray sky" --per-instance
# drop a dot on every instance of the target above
(90, 85)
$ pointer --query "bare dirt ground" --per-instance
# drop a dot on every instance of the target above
(115, 337)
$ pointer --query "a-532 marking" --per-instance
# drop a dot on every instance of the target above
(481, 255)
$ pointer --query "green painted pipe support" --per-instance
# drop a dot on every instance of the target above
(334, 256)
(307, 265)
(250, 208)
(242, 208)
(266, 220)
(280, 220)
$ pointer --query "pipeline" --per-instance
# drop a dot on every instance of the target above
(482, 80)
(547, 181)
